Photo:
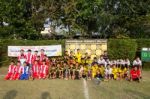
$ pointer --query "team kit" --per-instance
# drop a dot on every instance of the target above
(72, 66)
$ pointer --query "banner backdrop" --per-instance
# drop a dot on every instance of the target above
(50, 50)
(92, 47)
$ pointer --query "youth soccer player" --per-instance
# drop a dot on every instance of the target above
(135, 74)
(35, 55)
(17, 71)
(10, 71)
(42, 55)
(71, 72)
(43, 71)
(29, 58)
(22, 54)
(35, 70)
(25, 72)
(78, 56)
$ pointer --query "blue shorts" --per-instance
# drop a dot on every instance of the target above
(24, 77)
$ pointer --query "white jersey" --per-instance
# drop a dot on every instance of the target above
(139, 62)
(110, 71)
(22, 61)
(106, 71)
(127, 62)
(102, 61)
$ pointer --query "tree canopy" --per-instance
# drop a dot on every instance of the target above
(24, 19)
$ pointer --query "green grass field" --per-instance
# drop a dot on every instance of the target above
(75, 89)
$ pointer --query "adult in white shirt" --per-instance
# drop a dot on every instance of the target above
(137, 62)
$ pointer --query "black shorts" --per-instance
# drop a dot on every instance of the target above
(135, 79)
(71, 72)
(111, 75)
(57, 74)
(84, 76)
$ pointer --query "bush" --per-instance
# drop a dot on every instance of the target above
(143, 43)
(122, 48)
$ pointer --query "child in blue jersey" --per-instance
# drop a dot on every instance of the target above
(24, 72)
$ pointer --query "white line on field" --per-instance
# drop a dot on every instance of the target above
(86, 92)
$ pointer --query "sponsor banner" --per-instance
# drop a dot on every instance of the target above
(50, 50)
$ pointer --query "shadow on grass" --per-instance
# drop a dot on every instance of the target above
(134, 93)
(45, 95)
(10, 94)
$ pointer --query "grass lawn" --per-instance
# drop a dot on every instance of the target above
(74, 89)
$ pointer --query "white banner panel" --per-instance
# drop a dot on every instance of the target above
(50, 50)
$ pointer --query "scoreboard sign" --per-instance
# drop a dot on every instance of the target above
(145, 54)
(92, 47)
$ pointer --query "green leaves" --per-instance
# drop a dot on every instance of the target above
(111, 18)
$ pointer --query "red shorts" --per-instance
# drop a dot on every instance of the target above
(35, 75)
(42, 75)
(16, 76)
(8, 76)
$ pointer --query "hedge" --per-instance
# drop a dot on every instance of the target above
(122, 48)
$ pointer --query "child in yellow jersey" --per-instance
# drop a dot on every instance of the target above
(88, 60)
(101, 69)
(78, 56)
(119, 71)
(85, 72)
(82, 61)
(89, 71)
(124, 72)
(114, 72)
(94, 69)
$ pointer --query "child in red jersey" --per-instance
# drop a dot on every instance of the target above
(42, 55)
(135, 74)
(43, 70)
(35, 70)
(21, 55)
(29, 58)
(10, 71)
(35, 55)
(39, 61)
(17, 71)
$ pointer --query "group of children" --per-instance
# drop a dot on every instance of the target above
(71, 66)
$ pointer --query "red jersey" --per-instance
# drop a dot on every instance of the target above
(47, 62)
(11, 68)
(36, 68)
(43, 69)
(34, 58)
(135, 73)
(29, 58)
(41, 57)
(17, 69)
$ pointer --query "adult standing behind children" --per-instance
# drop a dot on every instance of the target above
(137, 62)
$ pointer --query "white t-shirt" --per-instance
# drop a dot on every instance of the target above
(101, 61)
(110, 71)
(106, 71)
(127, 62)
(22, 61)
(139, 62)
